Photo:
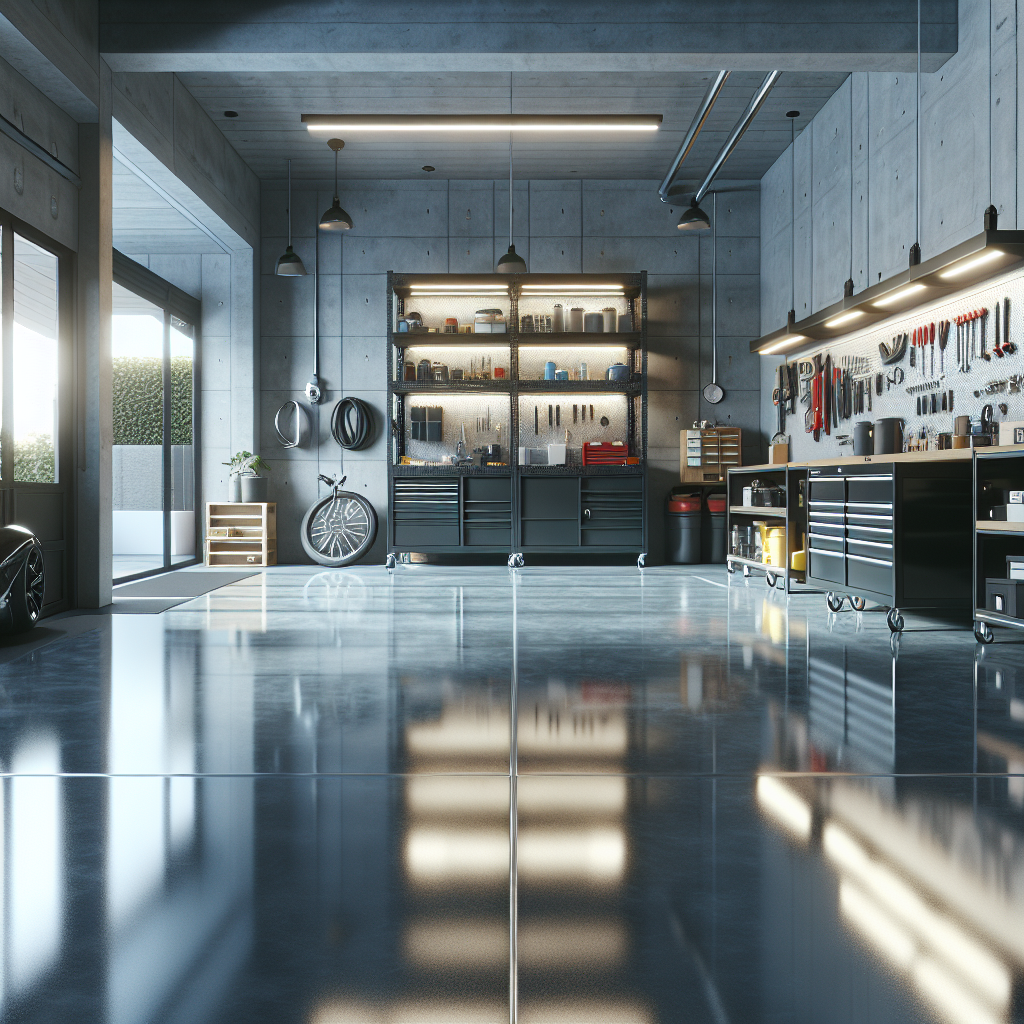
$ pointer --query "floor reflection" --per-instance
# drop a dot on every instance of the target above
(291, 800)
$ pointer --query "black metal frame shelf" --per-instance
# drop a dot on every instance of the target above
(606, 533)
(994, 539)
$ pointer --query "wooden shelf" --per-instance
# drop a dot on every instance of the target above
(997, 526)
(773, 512)
(241, 538)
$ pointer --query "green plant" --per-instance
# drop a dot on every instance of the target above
(246, 464)
(137, 386)
(33, 460)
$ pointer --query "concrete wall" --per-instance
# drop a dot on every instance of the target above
(458, 226)
(866, 136)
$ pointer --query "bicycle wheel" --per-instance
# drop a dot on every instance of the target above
(339, 529)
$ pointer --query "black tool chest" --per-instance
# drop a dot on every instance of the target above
(601, 511)
(898, 533)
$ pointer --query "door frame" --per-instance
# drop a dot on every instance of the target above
(64, 463)
(177, 303)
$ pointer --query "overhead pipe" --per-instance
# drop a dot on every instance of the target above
(755, 104)
(694, 130)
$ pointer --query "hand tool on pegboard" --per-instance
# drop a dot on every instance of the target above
(931, 345)
(1008, 346)
(943, 339)
(913, 348)
(827, 397)
(983, 351)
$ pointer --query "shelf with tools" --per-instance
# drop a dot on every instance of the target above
(998, 540)
(499, 404)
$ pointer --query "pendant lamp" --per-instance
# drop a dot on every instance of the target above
(694, 219)
(290, 265)
(511, 262)
(335, 219)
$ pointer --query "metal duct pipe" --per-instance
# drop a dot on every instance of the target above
(694, 130)
(755, 104)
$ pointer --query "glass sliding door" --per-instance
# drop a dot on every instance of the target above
(35, 418)
(154, 403)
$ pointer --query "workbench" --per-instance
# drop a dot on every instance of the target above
(895, 529)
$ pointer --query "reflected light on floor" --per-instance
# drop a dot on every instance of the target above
(539, 796)
(426, 1011)
(784, 805)
(964, 954)
(453, 796)
(543, 946)
(481, 856)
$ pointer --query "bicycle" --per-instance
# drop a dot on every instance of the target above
(339, 529)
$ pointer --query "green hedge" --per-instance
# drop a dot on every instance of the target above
(33, 460)
(138, 400)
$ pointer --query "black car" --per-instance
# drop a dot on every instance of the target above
(21, 579)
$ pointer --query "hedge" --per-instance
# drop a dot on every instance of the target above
(33, 460)
(138, 400)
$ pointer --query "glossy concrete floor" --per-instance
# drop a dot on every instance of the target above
(300, 798)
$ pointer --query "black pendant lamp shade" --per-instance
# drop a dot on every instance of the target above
(335, 219)
(290, 265)
(694, 219)
(511, 262)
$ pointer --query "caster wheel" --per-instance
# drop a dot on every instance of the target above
(770, 579)
(641, 560)
(516, 561)
(895, 621)
(983, 633)
(834, 601)
(391, 562)
(730, 568)
(746, 572)
(858, 603)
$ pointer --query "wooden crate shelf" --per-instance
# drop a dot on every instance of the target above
(241, 533)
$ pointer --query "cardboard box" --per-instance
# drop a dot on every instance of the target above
(780, 454)
(1011, 432)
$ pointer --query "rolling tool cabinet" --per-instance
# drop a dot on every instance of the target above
(792, 516)
(453, 377)
(893, 529)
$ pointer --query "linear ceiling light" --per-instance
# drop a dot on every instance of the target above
(897, 297)
(969, 265)
(845, 318)
(482, 123)
(569, 286)
(782, 343)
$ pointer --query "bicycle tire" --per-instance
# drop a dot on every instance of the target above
(339, 529)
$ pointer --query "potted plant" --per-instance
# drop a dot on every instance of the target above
(245, 483)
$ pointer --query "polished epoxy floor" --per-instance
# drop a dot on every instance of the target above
(289, 800)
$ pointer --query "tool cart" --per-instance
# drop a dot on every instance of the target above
(998, 540)
(788, 485)
(894, 529)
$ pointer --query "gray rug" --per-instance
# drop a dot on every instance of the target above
(161, 593)
(181, 585)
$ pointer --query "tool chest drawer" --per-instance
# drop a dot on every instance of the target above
(826, 542)
(425, 512)
(487, 512)
(826, 489)
(869, 548)
(869, 572)
(870, 489)
(826, 565)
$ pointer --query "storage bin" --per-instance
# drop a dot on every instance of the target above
(718, 537)
(682, 537)
(1005, 597)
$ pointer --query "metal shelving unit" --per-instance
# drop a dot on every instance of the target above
(1001, 467)
(560, 509)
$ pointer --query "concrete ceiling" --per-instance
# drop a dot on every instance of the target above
(267, 131)
(146, 222)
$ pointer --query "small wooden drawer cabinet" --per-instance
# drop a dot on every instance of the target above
(241, 533)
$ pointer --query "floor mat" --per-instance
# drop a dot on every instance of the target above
(180, 584)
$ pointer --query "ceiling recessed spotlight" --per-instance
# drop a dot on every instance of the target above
(427, 167)
(231, 113)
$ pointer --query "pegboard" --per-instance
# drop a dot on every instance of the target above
(612, 407)
(895, 401)
(470, 411)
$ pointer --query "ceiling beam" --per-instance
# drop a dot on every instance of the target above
(581, 35)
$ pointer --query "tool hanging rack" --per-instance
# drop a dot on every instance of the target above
(925, 368)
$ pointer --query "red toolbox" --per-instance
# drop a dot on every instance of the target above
(605, 453)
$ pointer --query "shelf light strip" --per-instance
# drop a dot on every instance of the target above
(897, 297)
(969, 265)
(845, 318)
